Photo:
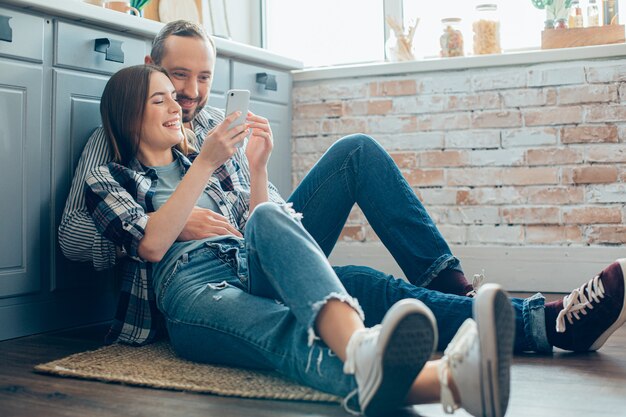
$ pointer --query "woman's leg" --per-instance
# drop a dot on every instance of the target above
(356, 169)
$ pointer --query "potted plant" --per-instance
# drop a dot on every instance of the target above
(555, 9)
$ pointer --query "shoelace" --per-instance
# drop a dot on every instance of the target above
(477, 281)
(349, 367)
(451, 357)
(578, 301)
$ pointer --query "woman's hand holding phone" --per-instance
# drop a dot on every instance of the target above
(221, 142)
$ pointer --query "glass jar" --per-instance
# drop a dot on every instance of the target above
(561, 24)
(451, 40)
(486, 30)
(548, 24)
(593, 14)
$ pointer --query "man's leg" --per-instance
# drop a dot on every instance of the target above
(356, 169)
(377, 292)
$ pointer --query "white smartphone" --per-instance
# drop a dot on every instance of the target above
(237, 100)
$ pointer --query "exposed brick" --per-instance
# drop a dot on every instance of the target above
(526, 97)
(356, 216)
(530, 215)
(496, 118)
(589, 134)
(495, 196)
(343, 90)
(344, 125)
(529, 176)
(606, 73)
(529, 137)
(317, 144)
(552, 115)
(539, 77)
(305, 127)
(370, 235)
(595, 93)
(443, 121)
(604, 113)
(606, 234)
(591, 215)
(305, 93)
(393, 88)
(352, 234)
(425, 177)
(391, 124)
(368, 107)
(499, 80)
(476, 101)
(405, 159)
(481, 235)
(554, 195)
(473, 215)
(318, 110)
(473, 139)
(449, 158)
(547, 234)
(591, 175)
(553, 156)
(304, 162)
(606, 154)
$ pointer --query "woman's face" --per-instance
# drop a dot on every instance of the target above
(161, 125)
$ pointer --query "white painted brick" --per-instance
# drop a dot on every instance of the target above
(448, 83)
(438, 196)
(438, 214)
(606, 153)
(420, 104)
(412, 141)
(473, 215)
(344, 90)
(606, 72)
(473, 139)
(453, 233)
(610, 193)
(305, 127)
(499, 80)
(556, 76)
(529, 137)
(494, 196)
(390, 124)
(304, 93)
(495, 234)
(526, 97)
(498, 157)
(318, 144)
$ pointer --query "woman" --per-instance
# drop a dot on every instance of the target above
(209, 291)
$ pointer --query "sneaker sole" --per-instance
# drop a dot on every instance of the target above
(620, 320)
(407, 347)
(496, 329)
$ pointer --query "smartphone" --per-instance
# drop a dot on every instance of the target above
(237, 100)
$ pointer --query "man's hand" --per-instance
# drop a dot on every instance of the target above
(203, 223)
(260, 143)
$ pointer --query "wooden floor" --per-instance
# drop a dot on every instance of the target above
(562, 384)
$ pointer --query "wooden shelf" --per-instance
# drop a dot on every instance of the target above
(568, 38)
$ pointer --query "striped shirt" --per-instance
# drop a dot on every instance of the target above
(120, 220)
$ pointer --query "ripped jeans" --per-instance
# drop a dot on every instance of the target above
(212, 314)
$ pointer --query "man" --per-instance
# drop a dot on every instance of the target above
(356, 169)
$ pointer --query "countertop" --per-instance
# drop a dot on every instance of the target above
(85, 13)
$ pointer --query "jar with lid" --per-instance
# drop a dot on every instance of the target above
(560, 24)
(486, 30)
(593, 14)
(451, 40)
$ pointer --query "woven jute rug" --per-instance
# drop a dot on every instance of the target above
(157, 366)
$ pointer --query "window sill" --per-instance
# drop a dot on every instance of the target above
(462, 63)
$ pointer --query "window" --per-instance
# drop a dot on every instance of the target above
(325, 32)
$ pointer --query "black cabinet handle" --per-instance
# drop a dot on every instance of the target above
(111, 48)
(268, 79)
(6, 33)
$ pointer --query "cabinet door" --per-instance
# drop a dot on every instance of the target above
(21, 179)
(76, 114)
(279, 166)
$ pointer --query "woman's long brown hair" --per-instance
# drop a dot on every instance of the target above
(122, 108)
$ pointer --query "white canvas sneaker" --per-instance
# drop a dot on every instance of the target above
(478, 359)
(386, 358)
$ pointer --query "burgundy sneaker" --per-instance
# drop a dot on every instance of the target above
(591, 313)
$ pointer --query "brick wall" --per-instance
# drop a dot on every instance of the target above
(506, 156)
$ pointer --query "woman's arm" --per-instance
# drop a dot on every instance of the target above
(258, 153)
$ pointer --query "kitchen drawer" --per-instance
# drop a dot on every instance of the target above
(21, 35)
(221, 77)
(245, 78)
(74, 47)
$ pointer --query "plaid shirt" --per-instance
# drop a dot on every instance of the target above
(118, 198)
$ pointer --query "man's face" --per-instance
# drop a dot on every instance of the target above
(189, 63)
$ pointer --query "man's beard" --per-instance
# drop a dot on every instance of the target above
(189, 115)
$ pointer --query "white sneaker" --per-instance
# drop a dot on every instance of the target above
(386, 358)
(479, 357)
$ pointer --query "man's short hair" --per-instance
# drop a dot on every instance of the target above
(177, 28)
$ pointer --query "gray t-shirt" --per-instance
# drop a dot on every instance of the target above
(169, 178)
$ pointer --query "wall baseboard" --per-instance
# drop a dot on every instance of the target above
(523, 269)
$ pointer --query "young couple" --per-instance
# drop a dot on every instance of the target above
(239, 277)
